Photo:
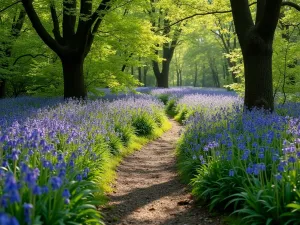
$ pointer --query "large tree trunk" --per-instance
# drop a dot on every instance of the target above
(2, 88)
(258, 76)
(256, 40)
(73, 78)
(162, 80)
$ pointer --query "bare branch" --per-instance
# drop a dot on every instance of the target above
(11, 5)
(291, 4)
(30, 55)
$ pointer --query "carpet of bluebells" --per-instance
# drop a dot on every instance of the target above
(54, 155)
(247, 163)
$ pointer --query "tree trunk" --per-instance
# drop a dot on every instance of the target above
(73, 78)
(203, 76)
(163, 77)
(140, 74)
(196, 76)
(145, 75)
(2, 88)
(258, 76)
(162, 80)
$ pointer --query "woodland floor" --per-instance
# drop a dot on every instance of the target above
(148, 190)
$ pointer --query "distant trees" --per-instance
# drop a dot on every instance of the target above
(17, 22)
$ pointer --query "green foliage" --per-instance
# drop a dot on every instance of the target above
(125, 133)
(143, 124)
(236, 58)
(171, 107)
(164, 98)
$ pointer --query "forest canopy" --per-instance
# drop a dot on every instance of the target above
(74, 47)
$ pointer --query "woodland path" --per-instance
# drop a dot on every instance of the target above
(148, 190)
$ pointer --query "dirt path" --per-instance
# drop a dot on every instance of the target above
(148, 190)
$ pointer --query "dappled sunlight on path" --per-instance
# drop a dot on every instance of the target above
(148, 190)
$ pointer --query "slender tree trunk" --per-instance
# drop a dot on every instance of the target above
(145, 75)
(140, 74)
(258, 78)
(180, 76)
(73, 78)
(196, 75)
(203, 76)
(2, 88)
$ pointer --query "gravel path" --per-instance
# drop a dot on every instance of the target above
(148, 190)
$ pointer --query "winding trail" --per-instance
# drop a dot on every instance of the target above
(148, 190)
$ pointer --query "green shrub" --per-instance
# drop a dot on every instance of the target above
(125, 133)
(182, 115)
(171, 107)
(164, 98)
(114, 144)
(144, 125)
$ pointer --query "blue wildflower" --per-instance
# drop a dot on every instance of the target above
(278, 177)
(66, 193)
(56, 183)
(27, 212)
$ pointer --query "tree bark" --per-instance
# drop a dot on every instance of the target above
(145, 75)
(196, 75)
(163, 78)
(256, 40)
(2, 88)
(73, 78)
(73, 42)
(258, 76)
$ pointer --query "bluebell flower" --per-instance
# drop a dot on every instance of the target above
(275, 158)
(278, 177)
(79, 177)
(292, 159)
(37, 190)
(261, 155)
(280, 168)
(45, 189)
(10, 183)
(27, 212)
(15, 154)
(66, 193)
(5, 219)
(4, 201)
(56, 183)
(231, 173)
(249, 170)
(14, 196)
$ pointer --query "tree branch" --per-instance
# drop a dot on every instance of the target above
(202, 14)
(242, 18)
(268, 23)
(30, 55)
(104, 5)
(40, 29)
(69, 19)
(55, 21)
(11, 5)
(291, 4)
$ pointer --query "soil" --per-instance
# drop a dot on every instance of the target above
(148, 189)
